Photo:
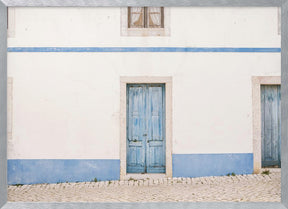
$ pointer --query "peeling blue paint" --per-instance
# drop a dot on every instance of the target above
(57, 170)
(199, 165)
(141, 49)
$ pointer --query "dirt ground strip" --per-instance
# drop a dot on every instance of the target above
(251, 188)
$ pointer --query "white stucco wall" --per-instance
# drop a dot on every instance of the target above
(66, 105)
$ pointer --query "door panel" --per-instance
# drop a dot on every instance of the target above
(136, 124)
(270, 125)
(145, 129)
(155, 144)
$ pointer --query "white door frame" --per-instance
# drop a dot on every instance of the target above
(257, 81)
(124, 80)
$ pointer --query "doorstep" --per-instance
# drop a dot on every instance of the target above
(139, 176)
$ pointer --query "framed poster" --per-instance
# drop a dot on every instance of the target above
(106, 101)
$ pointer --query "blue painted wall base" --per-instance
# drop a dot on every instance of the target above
(184, 165)
(199, 165)
(53, 171)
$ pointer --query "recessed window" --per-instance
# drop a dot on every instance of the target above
(145, 21)
(145, 17)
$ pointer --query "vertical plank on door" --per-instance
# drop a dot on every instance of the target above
(135, 129)
(155, 153)
(270, 125)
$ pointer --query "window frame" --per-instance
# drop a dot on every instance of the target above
(146, 24)
(126, 31)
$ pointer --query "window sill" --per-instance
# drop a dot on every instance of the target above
(145, 32)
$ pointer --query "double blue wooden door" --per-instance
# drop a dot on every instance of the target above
(271, 125)
(145, 128)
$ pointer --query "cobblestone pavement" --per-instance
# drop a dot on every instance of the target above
(252, 188)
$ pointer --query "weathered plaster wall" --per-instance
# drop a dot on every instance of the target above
(66, 105)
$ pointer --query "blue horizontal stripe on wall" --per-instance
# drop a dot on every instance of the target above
(199, 165)
(140, 49)
(54, 170)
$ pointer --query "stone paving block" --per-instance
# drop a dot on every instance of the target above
(130, 183)
(165, 181)
(156, 181)
(101, 184)
(141, 182)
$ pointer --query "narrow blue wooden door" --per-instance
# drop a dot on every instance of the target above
(155, 144)
(271, 125)
(145, 129)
